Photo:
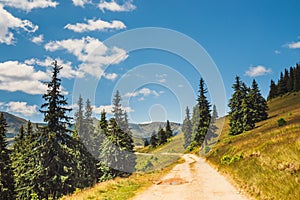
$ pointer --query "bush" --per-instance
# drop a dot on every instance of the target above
(281, 122)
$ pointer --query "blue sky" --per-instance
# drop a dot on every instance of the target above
(252, 39)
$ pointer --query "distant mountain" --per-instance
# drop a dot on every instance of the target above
(14, 124)
(144, 131)
(139, 131)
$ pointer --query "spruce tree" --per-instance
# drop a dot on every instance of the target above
(153, 139)
(187, 128)
(162, 137)
(117, 152)
(117, 108)
(248, 110)
(169, 132)
(53, 163)
(79, 118)
(236, 114)
(290, 82)
(273, 90)
(297, 78)
(7, 189)
(204, 116)
(55, 104)
(214, 115)
(282, 84)
(258, 103)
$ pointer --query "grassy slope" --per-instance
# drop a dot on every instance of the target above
(126, 188)
(265, 162)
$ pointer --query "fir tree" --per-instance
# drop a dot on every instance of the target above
(169, 132)
(204, 114)
(162, 137)
(297, 78)
(55, 104)
(7, 190)
(214, 115)
(153, 140)
(258, 103)
(273, 90)
(79, 118)
(117, 108)
(236, 114)
(187, 128)
(117, 152)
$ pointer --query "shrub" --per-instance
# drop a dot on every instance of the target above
(281, 122)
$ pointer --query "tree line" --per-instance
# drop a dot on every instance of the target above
(51, 161)
(161, 137)
(289, 81)
(247, 107)
(199, 128)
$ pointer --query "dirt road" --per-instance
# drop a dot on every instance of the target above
(193, 179)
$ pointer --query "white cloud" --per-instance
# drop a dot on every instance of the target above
(81, 3)
(144, 92)
(257, 71)
(163, 80)
(38, 39)
(115, 7)
(96, 25)
(180, 86)
(93, 54)
(66, 72)
(27, 79)
(8, 23)
(111, 76)
(294, 45)
(277, 52)
(108, 109)
(28, 5)
(141, 99)
(21, 108)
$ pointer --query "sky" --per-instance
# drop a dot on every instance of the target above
(153, 52)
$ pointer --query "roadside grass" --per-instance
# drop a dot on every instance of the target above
(162, 160)
(264, 162)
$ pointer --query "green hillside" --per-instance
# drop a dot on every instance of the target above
(264, 162)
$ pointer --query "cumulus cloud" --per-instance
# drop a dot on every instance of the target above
(8, 23)
(111, 76)
(294, 45)
(108, 109)
(38, 39)
(21, 108)
(28, 5)
(93, 54)
(66, 72)
(96, 25)
(115, 7)
(81, 3)
(257, 71)
(27, 79)
(142, 92)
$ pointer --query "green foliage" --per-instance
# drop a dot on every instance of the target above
(169, 132)
(201, 115)
(162, 137)
(247, 107)
(116, 152)
(281, 122)
(187, 128)
(289, 81)
(48, 162)
(55, 104)
(227, 159)
(7, 190)
(153, 140)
